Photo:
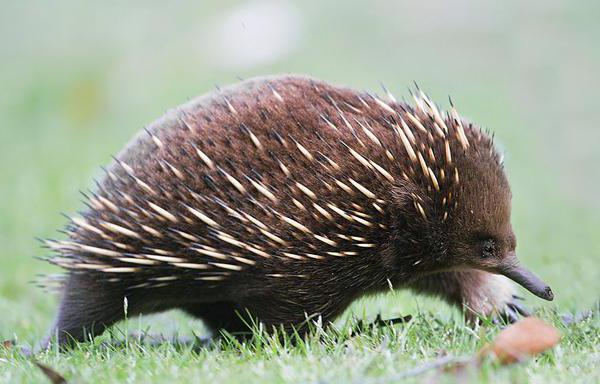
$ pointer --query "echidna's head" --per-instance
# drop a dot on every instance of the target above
(464, 220)
(479, 230)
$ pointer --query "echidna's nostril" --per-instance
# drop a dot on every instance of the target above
(549, 293)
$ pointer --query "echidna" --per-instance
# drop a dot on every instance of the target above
(287, 197)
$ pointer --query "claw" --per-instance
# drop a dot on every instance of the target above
(517, 297)
(379, 322)
(513, 312)
(520, 309)
(510, 315)
(396, 320)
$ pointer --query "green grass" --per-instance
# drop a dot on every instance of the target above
(78, 80)
(377, 356)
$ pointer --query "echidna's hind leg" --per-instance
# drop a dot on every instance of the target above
(87, 308)
(223, 316)
(478, 293)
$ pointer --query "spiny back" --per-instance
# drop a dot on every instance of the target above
(270, 173)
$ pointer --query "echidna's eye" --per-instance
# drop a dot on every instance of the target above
(488, 249)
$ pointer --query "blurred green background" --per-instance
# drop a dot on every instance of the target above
(79, 78)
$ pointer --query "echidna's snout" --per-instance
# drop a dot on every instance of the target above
(527, 279)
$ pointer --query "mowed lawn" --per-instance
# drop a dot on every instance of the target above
(78, 80)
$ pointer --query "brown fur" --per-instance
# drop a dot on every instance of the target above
(412, 232)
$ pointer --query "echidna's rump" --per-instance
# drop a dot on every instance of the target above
(287, 197)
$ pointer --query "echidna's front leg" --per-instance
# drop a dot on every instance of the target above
(239, 320)
(222, 316)
(289, 314)
(478, 293)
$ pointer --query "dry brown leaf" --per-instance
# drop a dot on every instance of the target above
(521, 340)
(8, 344)
(51, 374)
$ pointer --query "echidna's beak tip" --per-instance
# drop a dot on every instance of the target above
(529, 281)
(549, 294)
